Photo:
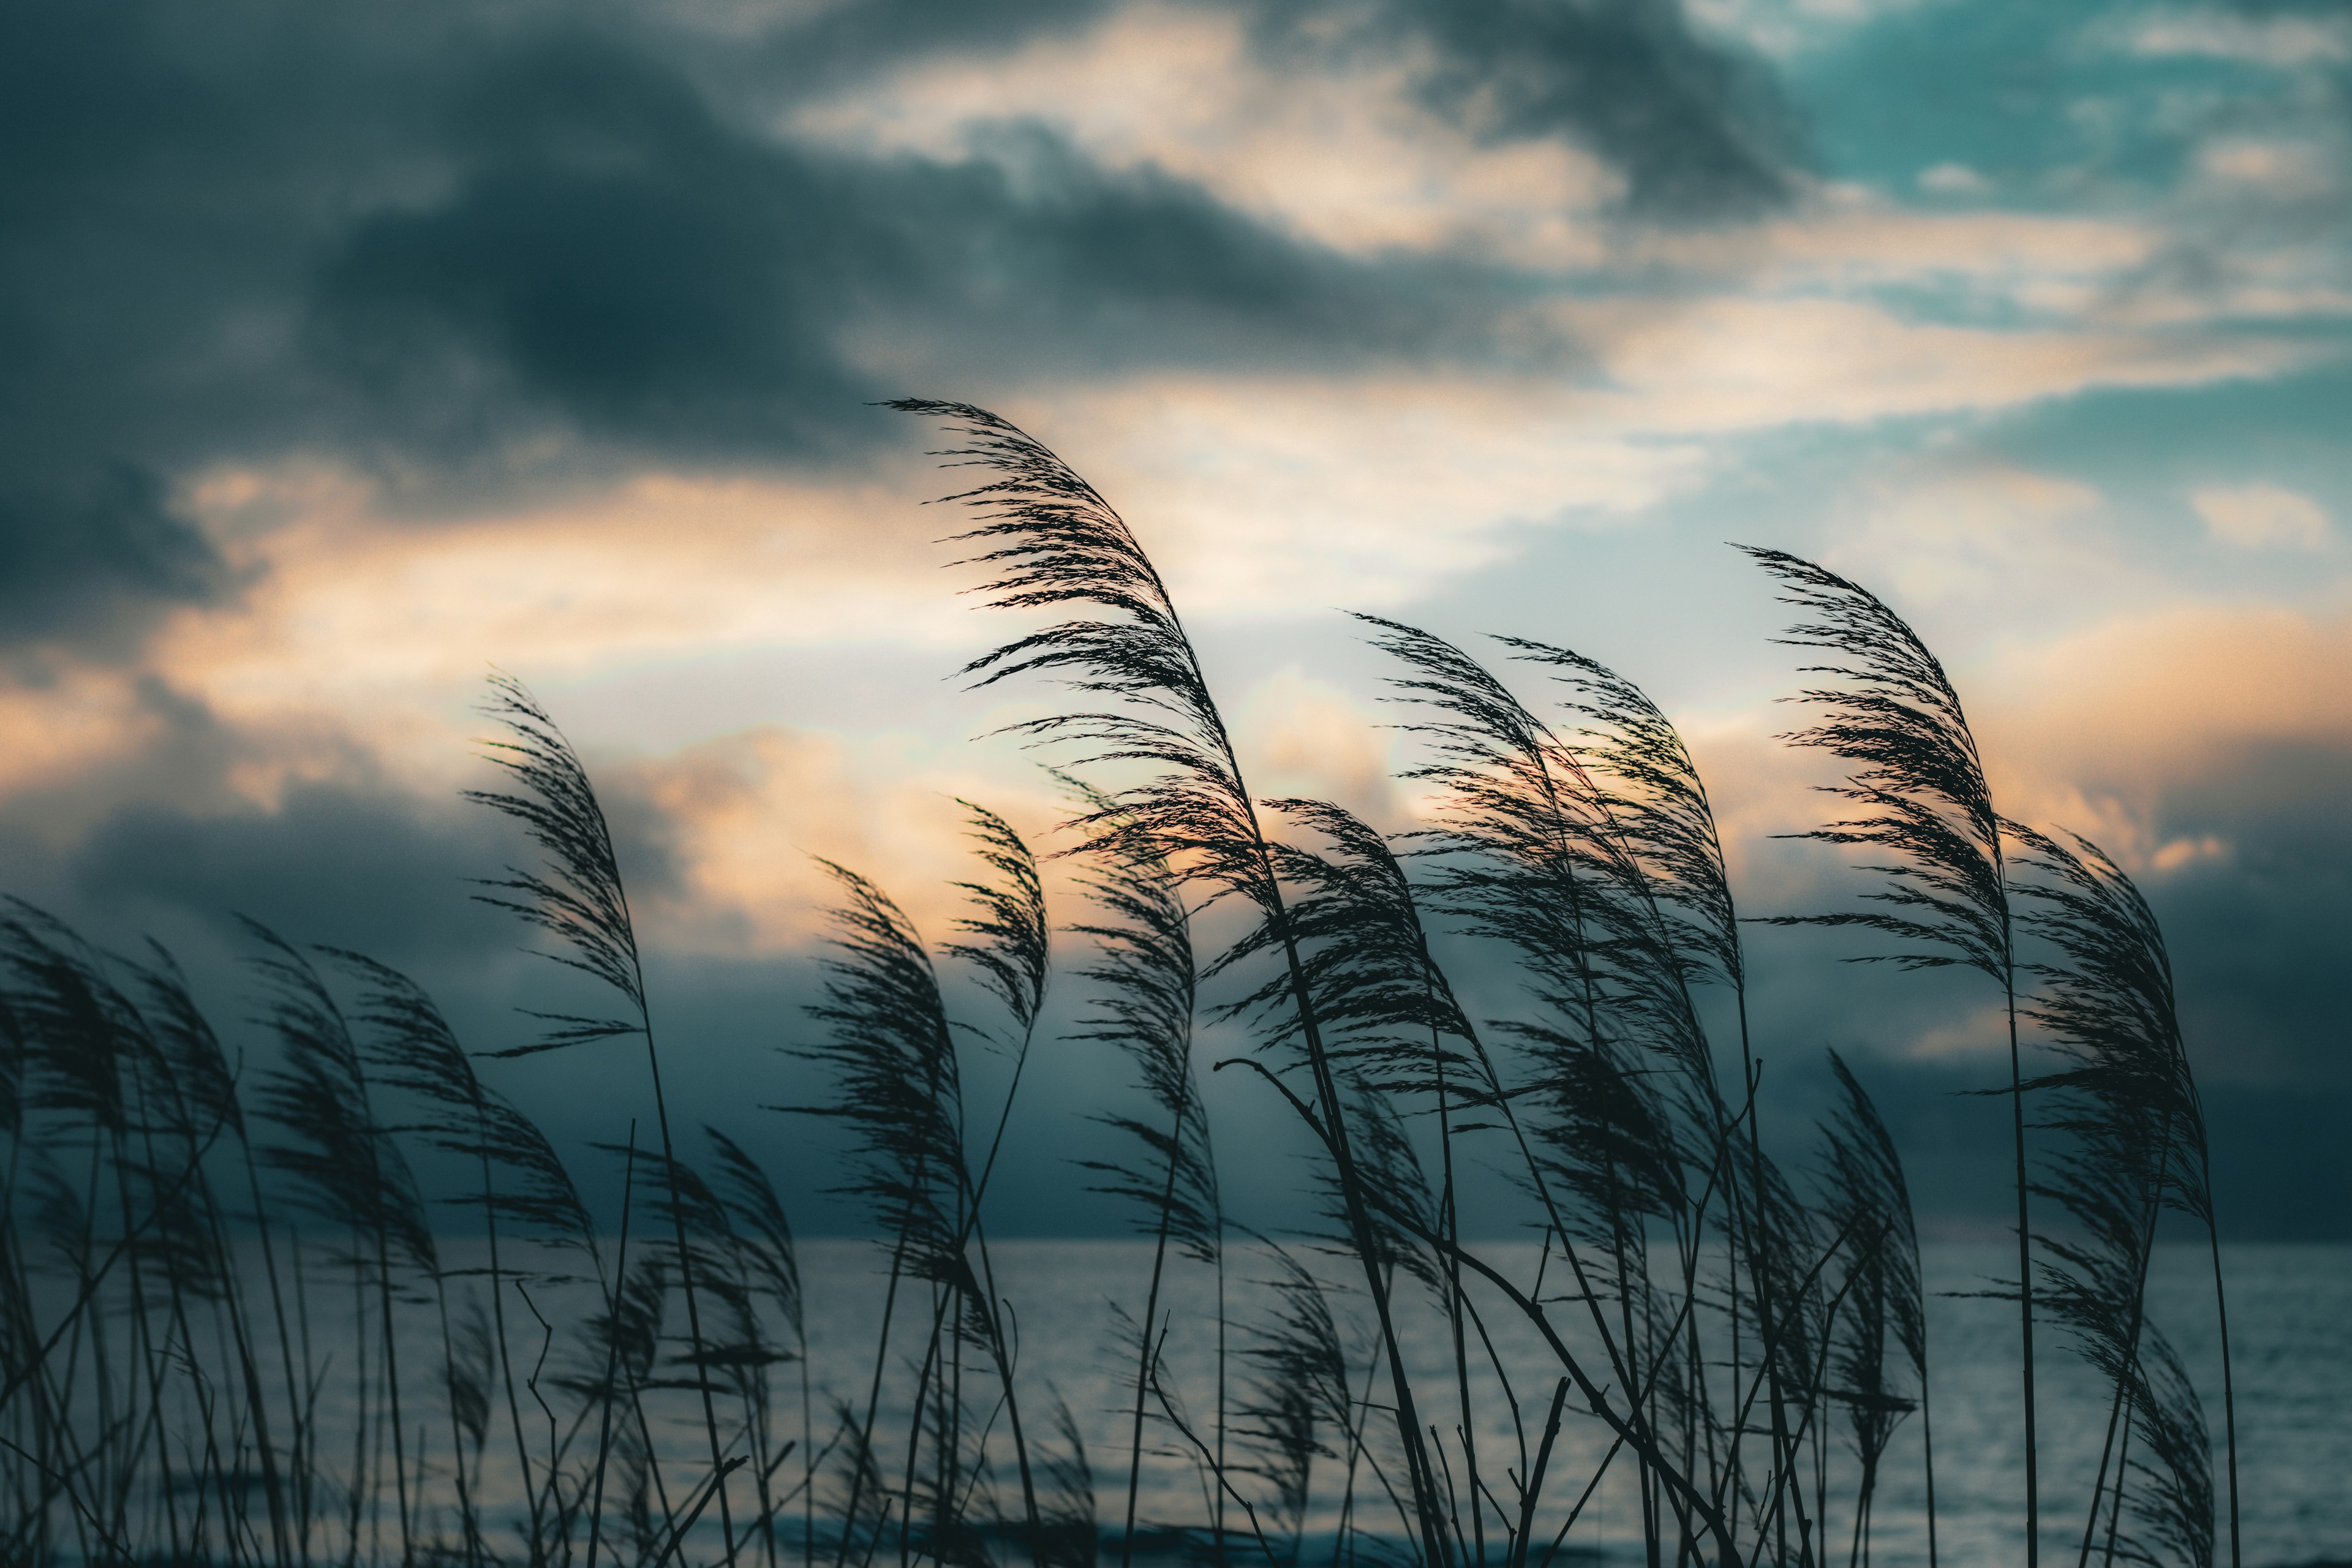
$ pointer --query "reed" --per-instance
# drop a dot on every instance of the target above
(1867, 1192)
(522, 1180)
(1596, 872)
(1145, 1006)
(580, 899)
(1748, 1334)
(1054, 542)
(2126, 1095)
(1917, 794)
(899, 1089)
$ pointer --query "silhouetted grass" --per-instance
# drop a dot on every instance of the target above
(1750, 1336)
(1918, 794)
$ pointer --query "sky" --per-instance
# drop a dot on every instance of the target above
(348, 353)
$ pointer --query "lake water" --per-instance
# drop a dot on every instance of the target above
(2291, 1322)
(2291, 1313)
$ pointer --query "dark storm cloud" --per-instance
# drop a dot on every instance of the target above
(85, 531)
(607, 250)
(164, 838)
(2257, 937)
(1697, 130)
(437, 237)
(80, 548)
(2255, 934)
(2258, 945)
(613, 252)
(163, 173)
(342, 863)
(847, 41)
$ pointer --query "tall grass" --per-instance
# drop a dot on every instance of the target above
(1917, 794)
(1546, 979)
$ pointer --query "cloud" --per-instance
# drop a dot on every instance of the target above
(1303, 738)
(357, 606)
(1365, 491)
(1786, 30)
(2283, 42)
(827, 41)
(347, 864)
(2098, 728)
(1731, 363)
(1338, 149)
(742, 819)
(122, 292)
(1696, 131)
(161, 183)
(611, 252)
(1949, 179)
(2210, 749)
(1846, 239)
(1687, 127)
(84, 548)
(1974, 549)
(476, 252)
(1691, 127)
(2257, 927)
(164, 818)
(2261, 517)
(99, 741)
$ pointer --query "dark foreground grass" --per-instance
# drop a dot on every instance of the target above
(1745, 1324)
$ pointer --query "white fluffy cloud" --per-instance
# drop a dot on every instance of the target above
(2283, 42)
(2262, 517)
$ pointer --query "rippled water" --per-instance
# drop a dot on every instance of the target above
(2290, 1316)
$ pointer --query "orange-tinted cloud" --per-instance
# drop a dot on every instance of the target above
(2094, 729)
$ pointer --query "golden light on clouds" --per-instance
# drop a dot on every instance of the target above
(1346, 158)
(2093, 730)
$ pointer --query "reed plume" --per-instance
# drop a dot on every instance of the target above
(899, 1087)
(1145, 1006)
(83, 1041)
(579, 899)
(1918, 795)
(1396, 1029)
(346, 1165)
(1299, 1392)
(523, 1182)
(1052, 542)
(739, 1248)
(1663, 853)
(202, 1100)
(1071, 1537)
(2126, 1094)
(1537, 854)
(769, 1262)
(1867, 1194)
